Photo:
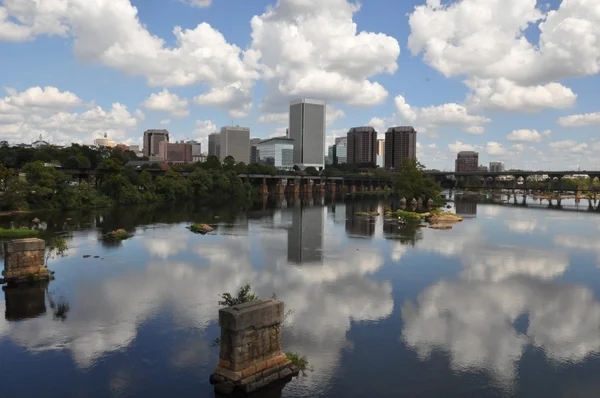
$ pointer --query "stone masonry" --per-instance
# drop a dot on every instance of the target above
(251, 356)
(24, 260)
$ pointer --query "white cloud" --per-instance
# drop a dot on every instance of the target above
(198, 3)
(333, 114)
(495, 149)
(200, 55)
(480, 40)
(460, 146)
(313, 49)
(524, 135)
(272, 118)
(202, 130)
(165, 122)
(38, 100)
(235, 97)
(167, 102)
(587, 119)
(26, 115)
(568, 145)
(430, 119)
(475, 130)
(502, 94)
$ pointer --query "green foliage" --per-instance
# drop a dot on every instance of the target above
(18, 233)
(244, 295)
(299, 361)
(57, 247)
(117, 235)
(367, 213)
(410, 181)
(407, 215)
(229, 163)
(311, 171)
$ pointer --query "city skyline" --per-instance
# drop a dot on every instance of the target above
(532, 97)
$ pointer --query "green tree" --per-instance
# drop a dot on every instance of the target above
(212, 163)
(229, 163)
(410, 181)
(241, 168)
(311, 171)
(111, 166)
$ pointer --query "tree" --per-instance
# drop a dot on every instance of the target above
(241, 168)
(311, 171)
(229, 163)
(212, 163)
(410, 181)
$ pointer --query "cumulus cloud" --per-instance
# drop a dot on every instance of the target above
(495, 149)
(583, 120)
(24, 116)
(38, 100)
(504, 95)
(505, 71)
(569, 145)
(200, 55)
(167, 102)
(459, 146)
(314, 50)
(202, 130)
(525, 135)
(198, 3)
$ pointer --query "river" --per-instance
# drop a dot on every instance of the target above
(505, 304)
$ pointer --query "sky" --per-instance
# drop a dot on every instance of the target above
(515, 80)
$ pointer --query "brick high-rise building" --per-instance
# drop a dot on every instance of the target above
(400, 144)
(362, 145)
(175, 152)
(466, 161)
(151, 140)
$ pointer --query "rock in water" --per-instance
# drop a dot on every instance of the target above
(87, 256)
(35, 220)
(216, 379)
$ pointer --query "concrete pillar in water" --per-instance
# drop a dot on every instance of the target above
(24, 260)
(251, 356)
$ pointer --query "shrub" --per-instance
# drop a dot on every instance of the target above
(18, 233)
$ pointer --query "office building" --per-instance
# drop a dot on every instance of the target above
(178, 152)
(331, 157)
(235, 142)
(151, 140)
(103, 142)
(341, 150)
(307, 129)
(278, 152)
(496, 167)
(196, 150)
(482, 168)
(400, 144)
(254, 150)
(214, 144)
(466, 161)
(362, 145)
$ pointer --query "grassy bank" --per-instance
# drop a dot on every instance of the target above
(18, 233)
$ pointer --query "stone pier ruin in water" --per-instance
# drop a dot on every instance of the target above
(24, 260)
(251, 355)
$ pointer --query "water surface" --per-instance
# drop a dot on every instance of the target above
(505, 304)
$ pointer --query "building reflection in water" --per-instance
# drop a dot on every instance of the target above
(305, 237)
(337, 212)
(359, 226)
(25, 301)
(465, 209)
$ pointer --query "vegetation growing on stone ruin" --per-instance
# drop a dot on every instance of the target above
(18, 233)
(301, 362)
(367, 213)
(244, 295)
(410, 181)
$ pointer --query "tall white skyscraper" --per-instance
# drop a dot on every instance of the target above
(307, 129)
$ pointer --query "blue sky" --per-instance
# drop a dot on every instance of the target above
(467, 74)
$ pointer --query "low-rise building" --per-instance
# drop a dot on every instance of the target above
(278, 152)
(178, 152)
